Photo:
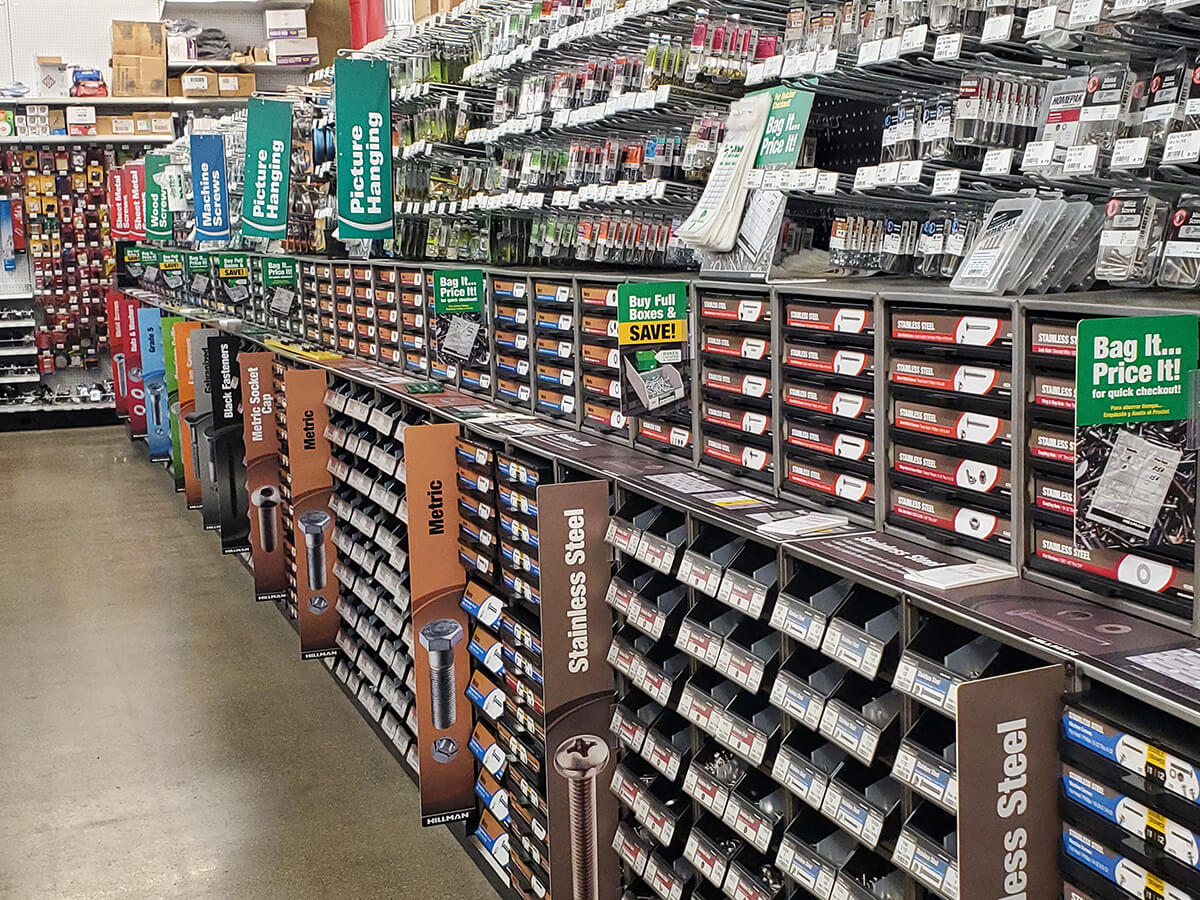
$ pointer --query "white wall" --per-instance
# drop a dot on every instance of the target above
(80, 31)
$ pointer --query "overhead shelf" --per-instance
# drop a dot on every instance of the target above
(56, 139)
(22, 350)
(194, 6)
(17, 323)
(54, 407)
(159, 102)
(219, 65)
(26, 378)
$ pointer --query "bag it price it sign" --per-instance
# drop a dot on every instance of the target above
(1135, 466)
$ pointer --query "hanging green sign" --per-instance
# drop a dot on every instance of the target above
(196, 262)
(279, 271)
(787, 122)
(160, 221)
(457, 291)
(363, 109)
(1134, 369)
(652, 312)
(268, 168)
(170, 261)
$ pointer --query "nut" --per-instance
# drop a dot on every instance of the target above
(444, 750)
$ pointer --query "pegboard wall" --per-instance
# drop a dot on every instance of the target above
(79, 32)
(849, 132)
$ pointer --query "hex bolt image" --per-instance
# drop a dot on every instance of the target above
(314, 524)
(156, 393)
(580, 759)
(440, 637)
(265, 501)
(122, 375)
(444, 750)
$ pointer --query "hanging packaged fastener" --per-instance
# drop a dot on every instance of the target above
(1129, 243)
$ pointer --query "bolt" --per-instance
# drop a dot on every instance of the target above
(580, 759)
(156, 392)
(265, 501)
(210, 436)
(317, 604)
(440, 637)
(444, 750)
(314, 524)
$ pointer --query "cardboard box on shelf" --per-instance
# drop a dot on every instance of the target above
(81, 120)
(8, 127)
(153, 123)
(139, 59)
(286, 23)
(423, 9)
(54, 77)
(293, 51)
(123, 124)
(199, 83)
(236, 84)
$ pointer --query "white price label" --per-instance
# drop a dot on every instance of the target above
(1084, 12)
(1182, 146)
(827, 184)
(948, 47)
(1130, 153)
(997, 29)
(1081, 159)
(946, 182)
(889, 50)
(868, 52)
(887, 173)
(1038, 154)
(910, 172)
(913, 38)
(866, 178)
(754, 178)
(826, 61)
(1040, 20)
(806, 179)
(998, 162)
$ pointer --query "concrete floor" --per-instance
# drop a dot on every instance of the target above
(160, 735)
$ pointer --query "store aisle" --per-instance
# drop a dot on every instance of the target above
(161, 736)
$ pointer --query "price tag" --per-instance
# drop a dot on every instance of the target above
(827, 184)
(1040, 20)
(866, 178)
(913, 38)
(795, 65)
(1038, 154)
(1124, 6)
(1081, 159)
(948, 47)
(805, 179)
(772, 67)
(826, 61)
(1084, 12)
(754, 178)
(887, 173)
(997, 29)
(910, 172)
(868, 53)
(772, 180)
(889, 50)
(1182, 146)
(1130, 153)
(946, 182)
(756, 73)
(998, 162)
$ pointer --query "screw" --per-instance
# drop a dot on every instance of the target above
(444, 750)
(122, 376)
(580, 759)
(265, 501)
(194, 421)
(314, 524)
(440, 637)
(210, 436)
